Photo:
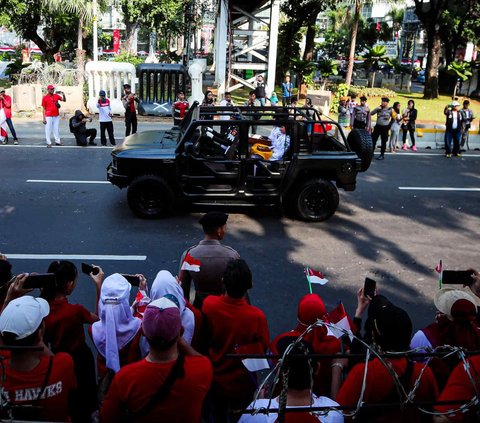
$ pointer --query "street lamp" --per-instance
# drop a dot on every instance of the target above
(95, 32)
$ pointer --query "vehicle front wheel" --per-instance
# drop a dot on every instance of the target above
(149, 197)
(316, 200)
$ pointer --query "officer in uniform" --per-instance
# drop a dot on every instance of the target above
(213, 257)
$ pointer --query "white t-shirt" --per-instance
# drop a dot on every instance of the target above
(104, 111)
(225, 103)
(280, 142)
(331, 417)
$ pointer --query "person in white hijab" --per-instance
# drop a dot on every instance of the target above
(117, 326)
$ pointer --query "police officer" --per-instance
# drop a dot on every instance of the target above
(205, 262)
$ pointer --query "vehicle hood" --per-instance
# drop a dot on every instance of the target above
(149, 142)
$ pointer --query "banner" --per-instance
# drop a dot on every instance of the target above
(116, 41)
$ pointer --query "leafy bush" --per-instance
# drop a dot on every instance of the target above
(129, 58)
(340, 91)
(370, 92)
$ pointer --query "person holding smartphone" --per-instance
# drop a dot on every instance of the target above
(51, 114)
(129, 99)
(453, 131)
(78, 126)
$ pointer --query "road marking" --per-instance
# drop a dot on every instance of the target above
(439, 154)
(438, 189)
(74, 257)
(90, 147)
(59, 181)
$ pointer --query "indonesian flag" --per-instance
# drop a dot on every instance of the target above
(378, 26)
(190, 263)
(314, 276)
(3, 125)
(339, 317)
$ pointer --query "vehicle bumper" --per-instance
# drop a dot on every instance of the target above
(120, 181)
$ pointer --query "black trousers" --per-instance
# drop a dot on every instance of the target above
(382, 132)
(411, 130)
(130, 122)
(108, 127)
(81, 138)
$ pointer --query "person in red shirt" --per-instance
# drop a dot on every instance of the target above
(180, 108)
(391, 331)
(32, 378)
(233, 326)
(51, 114)
(460, 388)
(128, 101)
(64, 332)
(170, 384)
(6, 105)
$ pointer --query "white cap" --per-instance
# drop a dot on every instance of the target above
(446, 297)
(455, 103)
(23, 316)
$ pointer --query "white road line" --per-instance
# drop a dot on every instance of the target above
(59, 181)
(438, 189)
(74, 257)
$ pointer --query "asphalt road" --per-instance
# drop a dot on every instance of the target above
(395, 235)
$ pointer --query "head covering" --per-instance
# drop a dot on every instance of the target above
(117, 326)
(23, 316)
(446, 297)
(392, 328)
(161, 320)
(102, 93)
(127, 86)
(363, 98)
(165, 285)
(213, 219)
(50, 87)
(455, 103)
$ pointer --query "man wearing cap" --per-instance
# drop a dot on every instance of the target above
(51, 114)
(169, 384)
(205, 262)
(33, 378)
(360, 117)
(453, 129)
(105, 118)
(128, 101)
(384, 115)
(6, 105)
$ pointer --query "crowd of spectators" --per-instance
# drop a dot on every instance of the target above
(163, 359)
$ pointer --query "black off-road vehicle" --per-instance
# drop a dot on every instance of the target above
(220, 156)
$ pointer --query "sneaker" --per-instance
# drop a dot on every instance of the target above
(458, 155)
(448, 156)
(414, 148)
(15, 142)
(404, 147)
(59, 143)
(381, 157)
(49, 145)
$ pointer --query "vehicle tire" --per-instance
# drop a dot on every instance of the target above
(315, 200)
(149, 197)
(360, 141)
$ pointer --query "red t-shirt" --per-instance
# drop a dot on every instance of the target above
(64, 325)
(459, 387)
(6, 105)
(379, 383)
(233, 326)
(134, 385)
(48, 103)
(180, 107)
(23, 388)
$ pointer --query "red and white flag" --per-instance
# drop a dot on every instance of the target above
(339, 317)
(190, 263)
(314, 276)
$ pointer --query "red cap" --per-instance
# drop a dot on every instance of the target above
(50, 87)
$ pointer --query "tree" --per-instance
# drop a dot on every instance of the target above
(462, 72)
(327, 68)
(373, 58)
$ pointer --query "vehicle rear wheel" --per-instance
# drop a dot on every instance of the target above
(316, 200)
(360, 141)
(149, 197)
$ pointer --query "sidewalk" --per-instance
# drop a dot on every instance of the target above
(31, 130)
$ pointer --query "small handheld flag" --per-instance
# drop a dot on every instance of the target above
(439, 270)
(339, 317)
(190, 263)
(314, 276)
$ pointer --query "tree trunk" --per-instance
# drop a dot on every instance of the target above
(309, 42)
(353, 42)
(130, 28)
(431, 71)
(79, 52)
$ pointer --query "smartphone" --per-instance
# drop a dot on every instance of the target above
(132, 279)
(369, 288)
(89, 269)
(457, 277)
(41, 280)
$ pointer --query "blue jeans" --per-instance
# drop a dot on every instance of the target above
(12, 129)
(452, 135)
(262, 101)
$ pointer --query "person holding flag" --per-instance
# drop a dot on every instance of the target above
(205, 262)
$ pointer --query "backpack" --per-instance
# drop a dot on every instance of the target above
(70, 125)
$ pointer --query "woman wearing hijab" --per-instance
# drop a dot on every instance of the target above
(116, 335)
